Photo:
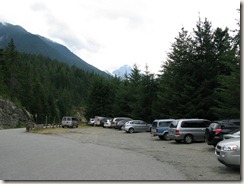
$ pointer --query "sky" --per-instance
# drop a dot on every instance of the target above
(111, 33)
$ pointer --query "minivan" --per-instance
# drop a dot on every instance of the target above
(160, 128)
(188, 130)
(68, 121)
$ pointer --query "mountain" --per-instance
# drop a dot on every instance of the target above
(120, 72)
(39, 45)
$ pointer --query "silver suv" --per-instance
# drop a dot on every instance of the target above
(68, 121)
(188, 130)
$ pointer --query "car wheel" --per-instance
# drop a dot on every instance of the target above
(62, 126)
(188, 139)
(131, 130)
(166, 136)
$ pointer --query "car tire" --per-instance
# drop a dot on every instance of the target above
(131, 130)
(188, 139)
(166, 136)
(62, 126)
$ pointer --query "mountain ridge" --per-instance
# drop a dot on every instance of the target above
(39, 45)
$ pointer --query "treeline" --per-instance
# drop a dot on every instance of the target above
(46, 88)
(199, 79)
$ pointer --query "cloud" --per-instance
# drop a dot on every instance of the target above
(60, 30)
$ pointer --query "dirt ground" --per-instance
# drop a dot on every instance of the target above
(197, 160)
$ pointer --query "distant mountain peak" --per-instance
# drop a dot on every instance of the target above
(120, 72)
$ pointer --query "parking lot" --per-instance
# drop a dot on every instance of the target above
(197, 160)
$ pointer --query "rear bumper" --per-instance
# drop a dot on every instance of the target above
(175, 137)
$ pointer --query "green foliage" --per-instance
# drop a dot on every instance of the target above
(45, 87)
(100, 98)
(201, 77)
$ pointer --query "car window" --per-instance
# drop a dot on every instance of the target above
(174, 124)
(206, 124)
(164, 123)
(192, 124)
(214, 125)
(143, 122)
(154, 123)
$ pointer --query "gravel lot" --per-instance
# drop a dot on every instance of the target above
(197, 160)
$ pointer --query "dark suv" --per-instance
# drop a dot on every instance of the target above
(214, 133)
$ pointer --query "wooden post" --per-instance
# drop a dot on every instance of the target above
(46, 121)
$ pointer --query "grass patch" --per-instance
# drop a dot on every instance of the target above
(57, 130)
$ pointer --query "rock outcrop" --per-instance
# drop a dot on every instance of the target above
(12, 116)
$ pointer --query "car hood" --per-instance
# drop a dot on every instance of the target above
(230, 141)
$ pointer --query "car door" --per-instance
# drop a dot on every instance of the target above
(143, 126)
(136, 125)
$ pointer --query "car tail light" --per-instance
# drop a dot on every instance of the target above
(217, 131)
(177, 132)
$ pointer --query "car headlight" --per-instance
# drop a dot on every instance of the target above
(230, 148)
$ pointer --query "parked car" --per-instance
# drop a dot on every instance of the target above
(104, 120)
(121, 123)
(91, 121)
(214, 133)
(188, 130)
(136, 126)
(68, 121)
(107, 123)
(228, 152)
(233, 134)
(160, 128)
(117, 119)
(98, 120)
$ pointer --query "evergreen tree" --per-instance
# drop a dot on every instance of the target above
(100, 98)
(135, 92)
(11, 65)
(227, 95)
(175, 83)
(149, 89)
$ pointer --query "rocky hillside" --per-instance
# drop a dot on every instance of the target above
(12, 116)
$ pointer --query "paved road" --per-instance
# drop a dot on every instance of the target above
(27, 156)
